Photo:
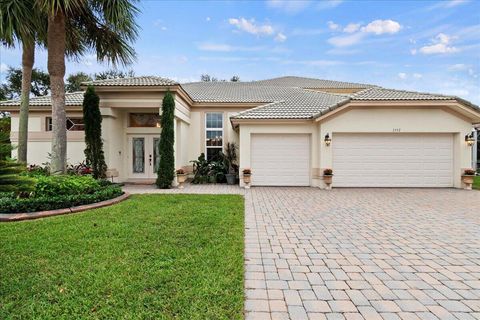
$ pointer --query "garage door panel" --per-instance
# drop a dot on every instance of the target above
(280, 160)
(393, 160)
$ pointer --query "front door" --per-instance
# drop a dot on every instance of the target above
(144, 156)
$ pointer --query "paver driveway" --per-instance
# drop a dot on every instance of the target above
(362, 254)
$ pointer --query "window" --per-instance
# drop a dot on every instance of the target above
(143, 120)
(73, 124)
(213, 133)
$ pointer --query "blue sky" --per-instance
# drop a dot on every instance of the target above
(431, 46)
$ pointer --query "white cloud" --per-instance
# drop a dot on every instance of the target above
(346, 41)
(458, 67)
(439, 45)
(159, 24)
(289, 6)
(208, 19)
(3, 67)
(351, 27)
(328, 4)
(417, 76)
(448, 4)
(280, 37)
(333, 26)
(402, 75)
(250, 26)
(89, 59)
(382, 26)
(222, 47)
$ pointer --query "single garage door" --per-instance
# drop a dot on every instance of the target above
(280, 159)
(392, 160)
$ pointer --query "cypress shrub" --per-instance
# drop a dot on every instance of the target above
(166, 168)
(92, 118)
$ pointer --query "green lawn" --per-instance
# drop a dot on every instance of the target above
(150, 257)
(476, 183)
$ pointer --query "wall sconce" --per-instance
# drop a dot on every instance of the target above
(327, 140)
(470, 139)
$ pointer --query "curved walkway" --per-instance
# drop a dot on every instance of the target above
(362, 254)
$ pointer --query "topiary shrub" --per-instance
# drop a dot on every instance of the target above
(166, 167)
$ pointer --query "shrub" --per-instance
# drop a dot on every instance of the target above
(51, 186)
(209, 170)
(328, 172)
(166, 168)
(14, 205)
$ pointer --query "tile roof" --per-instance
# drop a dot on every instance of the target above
(391, 94)
(71, 99)
(302, 82)
(133, 81)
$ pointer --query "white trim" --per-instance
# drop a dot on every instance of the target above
(214, 129)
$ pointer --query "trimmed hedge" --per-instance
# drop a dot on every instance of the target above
(52, 186)
(14, 205)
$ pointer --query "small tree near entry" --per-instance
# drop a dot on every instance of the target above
(166, 168)
(93, 133)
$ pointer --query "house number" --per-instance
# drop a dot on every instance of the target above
(396, 129)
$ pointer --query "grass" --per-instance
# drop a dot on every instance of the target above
(150, 257)
(476, 183)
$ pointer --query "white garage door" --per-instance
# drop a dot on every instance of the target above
(280, 160)
(392, 160)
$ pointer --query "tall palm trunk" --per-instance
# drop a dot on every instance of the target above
(28, 58)
(56, 69)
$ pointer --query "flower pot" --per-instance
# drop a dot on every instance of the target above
(468, 181)
(246, 180)
(181, 180)
(230, 178)
(328, 181)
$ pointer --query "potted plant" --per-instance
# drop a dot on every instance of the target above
(467, 178)
(247, 173)
(181, 177)
(327, 178)
(231, 159)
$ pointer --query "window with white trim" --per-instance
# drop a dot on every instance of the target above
(73, 124)
(213, 134)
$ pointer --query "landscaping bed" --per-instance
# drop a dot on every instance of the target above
(149, 257)
(58, 192)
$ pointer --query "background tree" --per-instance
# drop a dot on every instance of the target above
(92, 119)
(40, 83)
(104, 26)
(235, 79)
(208, 78)
(166, 167)
(75, 80)
(5, 121)
(113, 74)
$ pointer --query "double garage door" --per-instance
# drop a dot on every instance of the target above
(359, 160)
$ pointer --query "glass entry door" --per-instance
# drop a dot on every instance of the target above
(144, 156)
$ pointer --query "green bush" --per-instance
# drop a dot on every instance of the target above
(17, 205)
(48, 186)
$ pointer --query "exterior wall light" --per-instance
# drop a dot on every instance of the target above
(327, 140)
(470, 139)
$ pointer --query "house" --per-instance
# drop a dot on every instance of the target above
(288, 130)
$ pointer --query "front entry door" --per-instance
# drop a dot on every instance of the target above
(144, 156)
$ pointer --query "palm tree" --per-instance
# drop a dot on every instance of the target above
(105, 26)
(18, 23)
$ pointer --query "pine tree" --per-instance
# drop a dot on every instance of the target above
(166, 168)
(93, 133)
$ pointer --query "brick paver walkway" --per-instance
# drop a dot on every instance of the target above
(362, 254)
(189, 188)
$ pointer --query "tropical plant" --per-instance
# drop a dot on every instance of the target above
(20, 23)
(231, 157)
(104, 26)
(75, 80)
(92, 119)
(166, 167)
(11, 179)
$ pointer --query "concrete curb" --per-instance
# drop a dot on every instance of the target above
(7, 217)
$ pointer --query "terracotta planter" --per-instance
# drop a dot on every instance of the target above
(328, 181)
(468, 181)
(181, 180)
(246, 180)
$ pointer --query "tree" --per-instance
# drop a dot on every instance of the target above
(207, 78)
(93, 133)
(113, 74)
(40, 83)
(104, 26)
(166, 167)
(235, 79)
(75, 80)
(20, 23)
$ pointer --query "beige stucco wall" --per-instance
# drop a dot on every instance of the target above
(367, 120)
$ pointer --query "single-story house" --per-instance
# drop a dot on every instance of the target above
(288, 130)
